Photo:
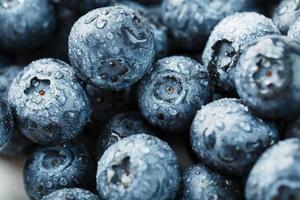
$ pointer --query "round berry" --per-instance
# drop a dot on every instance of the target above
(276, 175)
(25, 24)
(172, 93)
(56, 167)
(267, 78)
(192, 21)
(71, 194)
(227, 42)
(227, 137)
(201, 183)
(112, 47)
(51, 106)
(138, 167)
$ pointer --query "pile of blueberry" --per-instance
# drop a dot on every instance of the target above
(152, 100)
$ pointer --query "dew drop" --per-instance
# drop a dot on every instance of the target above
(101, 23)
(90, 18)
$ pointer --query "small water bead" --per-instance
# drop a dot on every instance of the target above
(90, 18)
(220, 125)
(101, 23)
(245, 126)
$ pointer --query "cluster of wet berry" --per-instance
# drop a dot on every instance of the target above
(152, 100)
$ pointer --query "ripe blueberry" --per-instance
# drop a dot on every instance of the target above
(172, 93)
(112, 47)
(25, 24)
(56, 167)
(50, 105)
(138, 167)
(276, 175)
(227, 137)
(267, 78)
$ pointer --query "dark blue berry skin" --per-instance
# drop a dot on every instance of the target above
(57, 45)
(56, 167)
(120, 126)
(292, 129)
(112, 47)
(138, 167)
(276, 175)
(25, 24)
(82, 6)
(71, 194)
(7, 75)
(200, 182)
(6, 124)
(50, 105)
(191, 22)
(172, 93)
(267, 78)
(160, 31)
(4, 61)
(228, 41)
(227, 137)
(149, 3)
(266, 7)
(294, 31)
(285, 14)
(105, 104)
(17, 145)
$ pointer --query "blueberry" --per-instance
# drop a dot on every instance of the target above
(228, 41)
(25, 24)
(294, 31)
(50, 105)
(6, 124)
(227, 137)
(267, 77)
(176, 88)
(7, 75)
(160, 31)
(120, 126)
(105, 104)
(285, 14)
(138, 167)
(192, 21)
(276, 175)
(112, 47)
(56, 167)
(201, 183)
(71, 194)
